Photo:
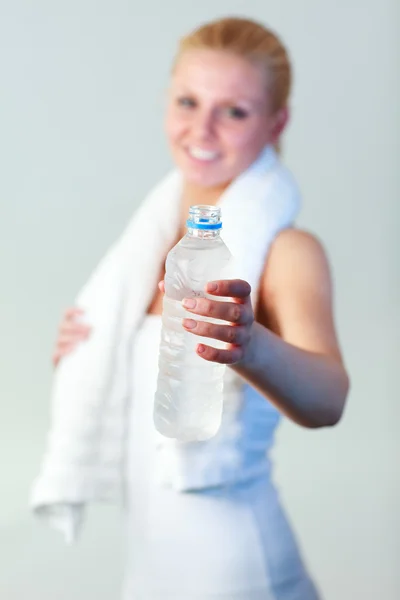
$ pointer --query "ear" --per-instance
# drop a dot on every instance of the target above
(280, 120)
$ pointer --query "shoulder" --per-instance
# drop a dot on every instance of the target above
(293, 237)
(293, 246)
(296, 292)
(297, 261)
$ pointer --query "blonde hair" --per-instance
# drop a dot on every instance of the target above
(249, 40)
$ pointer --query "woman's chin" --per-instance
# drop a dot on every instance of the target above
(204, 176)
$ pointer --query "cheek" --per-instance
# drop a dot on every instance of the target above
(174, 126)
(247, 142)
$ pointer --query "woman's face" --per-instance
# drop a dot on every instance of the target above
(218, 117)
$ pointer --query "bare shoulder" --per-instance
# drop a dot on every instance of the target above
(296, 292)
(296, 256)
(291, 243)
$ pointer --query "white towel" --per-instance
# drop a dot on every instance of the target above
(84, 458)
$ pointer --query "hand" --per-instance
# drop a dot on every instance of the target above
(238, 313)
(70, 333)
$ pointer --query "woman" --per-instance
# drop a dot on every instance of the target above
(228, 101)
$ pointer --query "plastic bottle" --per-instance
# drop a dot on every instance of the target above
(189, 396)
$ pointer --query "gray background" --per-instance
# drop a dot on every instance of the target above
(81, 141)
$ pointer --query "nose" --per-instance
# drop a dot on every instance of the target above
(203, 124)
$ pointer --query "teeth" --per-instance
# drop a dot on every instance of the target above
(201, 154)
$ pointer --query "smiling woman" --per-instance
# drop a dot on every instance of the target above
(204, 529)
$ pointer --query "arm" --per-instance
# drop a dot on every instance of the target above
(299, 368)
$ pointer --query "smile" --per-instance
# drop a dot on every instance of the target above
(201, 154)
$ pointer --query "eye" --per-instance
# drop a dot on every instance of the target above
(234, 112)
(186, 102)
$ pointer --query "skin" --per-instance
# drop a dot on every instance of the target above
(289, 351)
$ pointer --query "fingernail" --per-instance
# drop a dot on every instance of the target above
(189, 302)
(189, 323)
(201, 348)
(212, 287)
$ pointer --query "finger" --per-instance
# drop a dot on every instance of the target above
(232, 334)
(224, 357)
(73, 312)
(161, 286)
(74, 329)
(61, 352)
(67, 344)
(72, 337)
(229, 288)
(215, 309)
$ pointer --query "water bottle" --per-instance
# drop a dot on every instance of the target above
(189, 397)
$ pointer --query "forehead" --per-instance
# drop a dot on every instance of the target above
(218, 74)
